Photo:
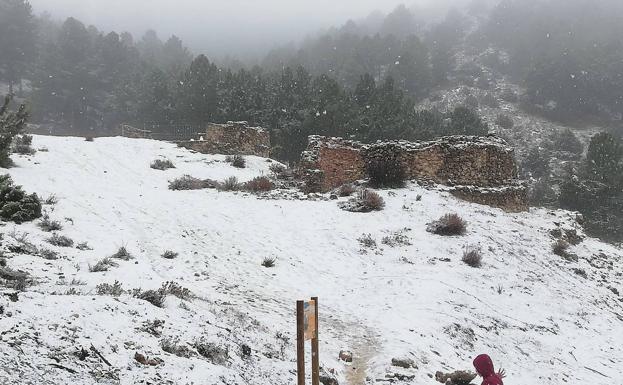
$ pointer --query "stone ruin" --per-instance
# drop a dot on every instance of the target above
(477, 169)
(231, 138)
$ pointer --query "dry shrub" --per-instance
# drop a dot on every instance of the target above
(176, 290)
(161, 164)
(472, 256)
(60, 241)
(122, 254)
(169, 254)
(560, 247)
(114, 290)
(366, 240)
(188, 182)
(449, 224)
(237, 161)
(230, 184)
(155, 297)
(277, 168)
(386, 172)
(103, 265)
(259, 184)
(269, 262)
(371, 200)
(174, 347)
(46, 224)
(346, 190)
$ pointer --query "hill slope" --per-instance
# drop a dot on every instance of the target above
(526, 307)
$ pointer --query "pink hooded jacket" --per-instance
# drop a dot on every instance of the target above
(484, 367)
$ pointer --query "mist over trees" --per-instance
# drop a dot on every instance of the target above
(362, 80)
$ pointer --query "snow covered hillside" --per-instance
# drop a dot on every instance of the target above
(544, 318)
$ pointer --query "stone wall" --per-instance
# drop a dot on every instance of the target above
(232, 138)
(486, 164)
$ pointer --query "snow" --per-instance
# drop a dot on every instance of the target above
(525, 307)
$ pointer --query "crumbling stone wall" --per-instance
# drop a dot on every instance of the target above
(232, 138)
(484, 164)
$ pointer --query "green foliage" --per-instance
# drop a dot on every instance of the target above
(15, 205)
(11, 124)
(566, 140)
(17, 40)
(464, 121)
(536, 163)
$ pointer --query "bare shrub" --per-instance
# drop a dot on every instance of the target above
(269, 262)
(46, 224)
(176, 290)
(122, 254)
(560, 247)
(174, 347)
(188, 182)
(168, 254)
(114, 290)
(277, 168)
(472, 256)
(237, 161)
(103, 265)
(50, 255)
(83, 246)
(218, 355)
(449, 224)
(153, 328)
(51, 200)
(60, 241)
(367, 241)
(155, 297)
(259, 184)
(397, 238)
(346, 190)
(365, 201)
(386, 172)
(162, 164)
(229, 184)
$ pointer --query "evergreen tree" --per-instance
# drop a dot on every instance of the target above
(17, 40)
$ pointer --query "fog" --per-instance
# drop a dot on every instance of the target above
(241, 28)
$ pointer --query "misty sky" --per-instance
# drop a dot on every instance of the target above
(217, 26)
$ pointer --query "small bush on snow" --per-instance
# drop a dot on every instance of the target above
(174, 347)
(155, 297)
(83, 246)
(346, 190)
(449, 224)
(46, 224)
(277, 168)
(218, 355)
(114, 290)
(176, 290)
(103, 265)
(269, 262)
(122, 254)
(366, 240)
(169, 254)
(229, 184)
(60, 241)
(50, 255)
(560, 247)
(162, 164)
(22, 144)
(51, 200)
(188, 182)
(15, 205)
(472, 256)
(237, 161)
(259, 184)
(365, 201)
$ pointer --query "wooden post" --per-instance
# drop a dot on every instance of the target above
(314, 347)
(300, 342)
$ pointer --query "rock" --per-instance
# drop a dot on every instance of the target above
(328, 377)
(147, 361)
(346, 356)
(333, 197)
(218, 355)
(580, 272)
(404, 362)
(459, 377)
(246, 350)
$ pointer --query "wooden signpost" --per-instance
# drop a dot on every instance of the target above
(307, 329)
